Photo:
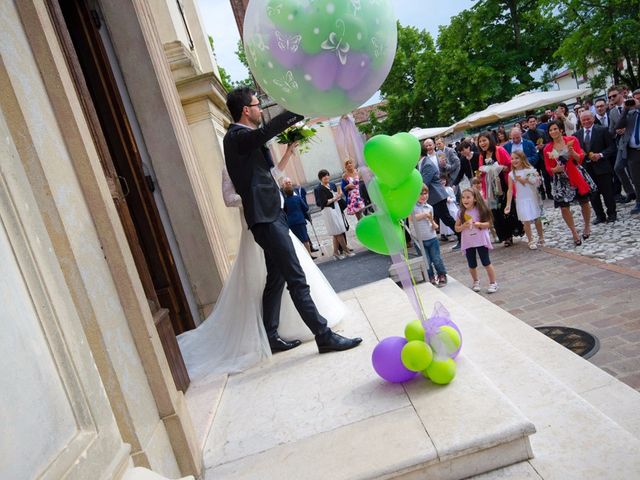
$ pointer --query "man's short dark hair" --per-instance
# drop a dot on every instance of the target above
(544, 118)
(464, 144)
(237, 99)
(614, 88)
(532, 116)
(322, 173)
(601, 100)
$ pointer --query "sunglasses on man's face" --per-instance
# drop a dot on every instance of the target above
(611, 97)
(254, 104)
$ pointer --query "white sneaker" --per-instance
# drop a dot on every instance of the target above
(339, 257)
(476, 286)
(351, 254)
(493, 288)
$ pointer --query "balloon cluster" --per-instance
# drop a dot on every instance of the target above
(428, 348)
(395, 190)
(320, 57)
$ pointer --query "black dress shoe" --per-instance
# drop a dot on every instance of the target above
(622, 199)
(278, 344)
(336, 343)
(631, 196)
(612, 218)
(599, 220)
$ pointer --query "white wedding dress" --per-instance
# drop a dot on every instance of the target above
(233, 338)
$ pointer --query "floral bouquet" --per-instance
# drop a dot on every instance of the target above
(301, 133)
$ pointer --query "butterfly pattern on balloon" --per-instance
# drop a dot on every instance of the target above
(274, 9)
(288, 82)
(356, 6)
(336, 42)
(288, 42)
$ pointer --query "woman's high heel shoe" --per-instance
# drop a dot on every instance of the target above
(577, 242)
(585, 236)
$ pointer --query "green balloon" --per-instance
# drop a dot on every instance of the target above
(446, 341)
(441, 371)
(375, 233)
(416, 356)
(392, 159)
(356, 33)
(288, 15)
(414, 331)
(400, 201)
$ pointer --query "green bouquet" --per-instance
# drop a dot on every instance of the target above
(301, 133)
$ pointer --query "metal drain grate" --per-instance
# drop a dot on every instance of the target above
(578, 341)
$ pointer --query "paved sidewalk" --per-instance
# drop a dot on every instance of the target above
(563, 285)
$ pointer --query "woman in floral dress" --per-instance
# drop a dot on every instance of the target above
(351, 187)
(570, 183)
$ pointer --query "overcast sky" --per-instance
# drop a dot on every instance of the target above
(220, 24)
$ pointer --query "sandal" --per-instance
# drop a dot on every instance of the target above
(577, 242)
(586, 236)
(533, 245)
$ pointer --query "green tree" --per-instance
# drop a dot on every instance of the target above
(601, 34)
(225, 78)
(487, 54)
(411, 102)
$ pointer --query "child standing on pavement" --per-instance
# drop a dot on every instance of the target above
(474, 221)
(525, 180)
(425, 230)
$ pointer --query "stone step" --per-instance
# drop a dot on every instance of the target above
(586, 420)
(305, 415)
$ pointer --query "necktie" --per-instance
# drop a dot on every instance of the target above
(636, 133)
(587, 140)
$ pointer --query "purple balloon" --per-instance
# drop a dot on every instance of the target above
(387, 362)
(322, 69)
(354, 71)
(285, 49)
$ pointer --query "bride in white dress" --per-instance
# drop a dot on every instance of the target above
(233, 338)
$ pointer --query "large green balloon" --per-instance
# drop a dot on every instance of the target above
(400, 201)
(392, 159)
(416, 356)
(441, 371)
(376, 233)
(414, 331)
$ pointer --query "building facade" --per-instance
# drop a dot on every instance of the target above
(113, 233)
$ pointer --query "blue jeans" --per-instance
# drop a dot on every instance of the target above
(432, 254)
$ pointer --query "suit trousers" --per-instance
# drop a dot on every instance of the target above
(633, 157)
(604, 182)
(283, 267)
(620, 168)
(441, 212)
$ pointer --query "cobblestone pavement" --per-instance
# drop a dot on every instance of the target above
(595, 287)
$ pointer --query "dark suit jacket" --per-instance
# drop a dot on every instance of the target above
(529, 149)
(601, 142)
(249, 165)
(431, 178)
(296, 209)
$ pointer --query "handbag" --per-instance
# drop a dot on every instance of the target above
(587, 178)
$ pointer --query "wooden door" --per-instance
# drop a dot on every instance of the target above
(132, 192)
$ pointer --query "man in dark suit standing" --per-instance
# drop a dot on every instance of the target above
(249, 165)
(599, 148)
(430, 172)
(629, 146)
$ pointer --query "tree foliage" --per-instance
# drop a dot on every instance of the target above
(601, 34)
(487, 54)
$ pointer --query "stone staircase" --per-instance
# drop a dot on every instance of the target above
(520, 407)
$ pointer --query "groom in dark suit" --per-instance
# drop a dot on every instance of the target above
(249, 165)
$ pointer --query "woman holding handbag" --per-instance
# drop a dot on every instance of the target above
(333, 218)
(570, 182)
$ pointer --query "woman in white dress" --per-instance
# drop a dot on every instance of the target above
(233, 338)
(524, 181)
(332, 216)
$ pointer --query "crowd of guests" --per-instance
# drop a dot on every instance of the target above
(588, 156)
(489, 188)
